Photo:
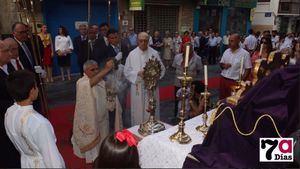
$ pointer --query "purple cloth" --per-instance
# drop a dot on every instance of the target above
(277, 95)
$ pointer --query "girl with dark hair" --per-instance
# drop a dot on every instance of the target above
(119, 151)
(197, 100)
(63, 49)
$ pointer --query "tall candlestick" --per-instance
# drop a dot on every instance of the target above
(261, 49)
(241, 68)
(205, 75)
(187, 53)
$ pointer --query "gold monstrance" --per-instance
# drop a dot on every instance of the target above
(151, 75)
(180, 136)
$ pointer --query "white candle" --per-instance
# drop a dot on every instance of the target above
(187, 53)
(241, 67)
(205, 75)
(261, 49)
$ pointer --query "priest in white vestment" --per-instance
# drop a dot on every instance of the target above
(133, 71)
(91, 118)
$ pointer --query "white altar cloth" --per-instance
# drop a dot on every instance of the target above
(135, 129)
(157, 151)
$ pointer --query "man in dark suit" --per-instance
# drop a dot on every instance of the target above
(81, 56)
(114, 50)
(21, 34)
(114, 46)
(99, 52)
(10, 157)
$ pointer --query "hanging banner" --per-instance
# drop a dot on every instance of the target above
(252, 12)
(243, 3)
(136, 5)
(214, 2)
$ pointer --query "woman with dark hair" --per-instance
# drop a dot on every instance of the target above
(295, 53)
(262, 50)
(119, 151)
(63, 48)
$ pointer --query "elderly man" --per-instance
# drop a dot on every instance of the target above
(15, 63)
(91, 123)
(10, 157)
(133, 71)
(78, 46)
(20, 32)
(231, 62)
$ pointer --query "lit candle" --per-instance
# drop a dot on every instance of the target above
(205, 75)
(261, 49)
(241, 67)
(187, 53)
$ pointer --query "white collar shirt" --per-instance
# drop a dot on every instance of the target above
(250, 42)
(4, 68)
(63, 43)
(234, 58)
(14, 63)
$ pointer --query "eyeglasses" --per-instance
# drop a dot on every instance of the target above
(22, 32)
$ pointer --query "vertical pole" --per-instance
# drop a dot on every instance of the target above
(88, 20)
(248, 22)
(109, 13)
(223, 25)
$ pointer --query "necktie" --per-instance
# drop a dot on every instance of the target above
(27, 52)
(19, 67)
(91, 42)
(117, 50)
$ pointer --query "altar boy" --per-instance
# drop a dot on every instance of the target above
(31, 133)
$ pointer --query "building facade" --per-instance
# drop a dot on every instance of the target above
(280, 15)
(188, 15)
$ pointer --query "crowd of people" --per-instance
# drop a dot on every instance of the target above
(111, 65)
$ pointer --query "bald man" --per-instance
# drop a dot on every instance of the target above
(133, 71)
(15, 63)
(231, 65)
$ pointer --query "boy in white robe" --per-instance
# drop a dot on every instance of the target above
(31, 133)
(91, 118)
(133, 71)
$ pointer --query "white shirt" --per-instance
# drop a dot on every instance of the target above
(287, 43)
(250, 42)
(226, 40)
(275, 40)
(63, 43)
(195, 64)
(234, 58)
(39, 150)
(212, 41)
(4, 68)
(150, 41)
(14, 63)
(196, 42)
(219, 39)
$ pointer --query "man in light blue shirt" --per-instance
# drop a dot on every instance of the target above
(132, 39)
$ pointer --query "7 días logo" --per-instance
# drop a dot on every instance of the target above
(276, 150)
